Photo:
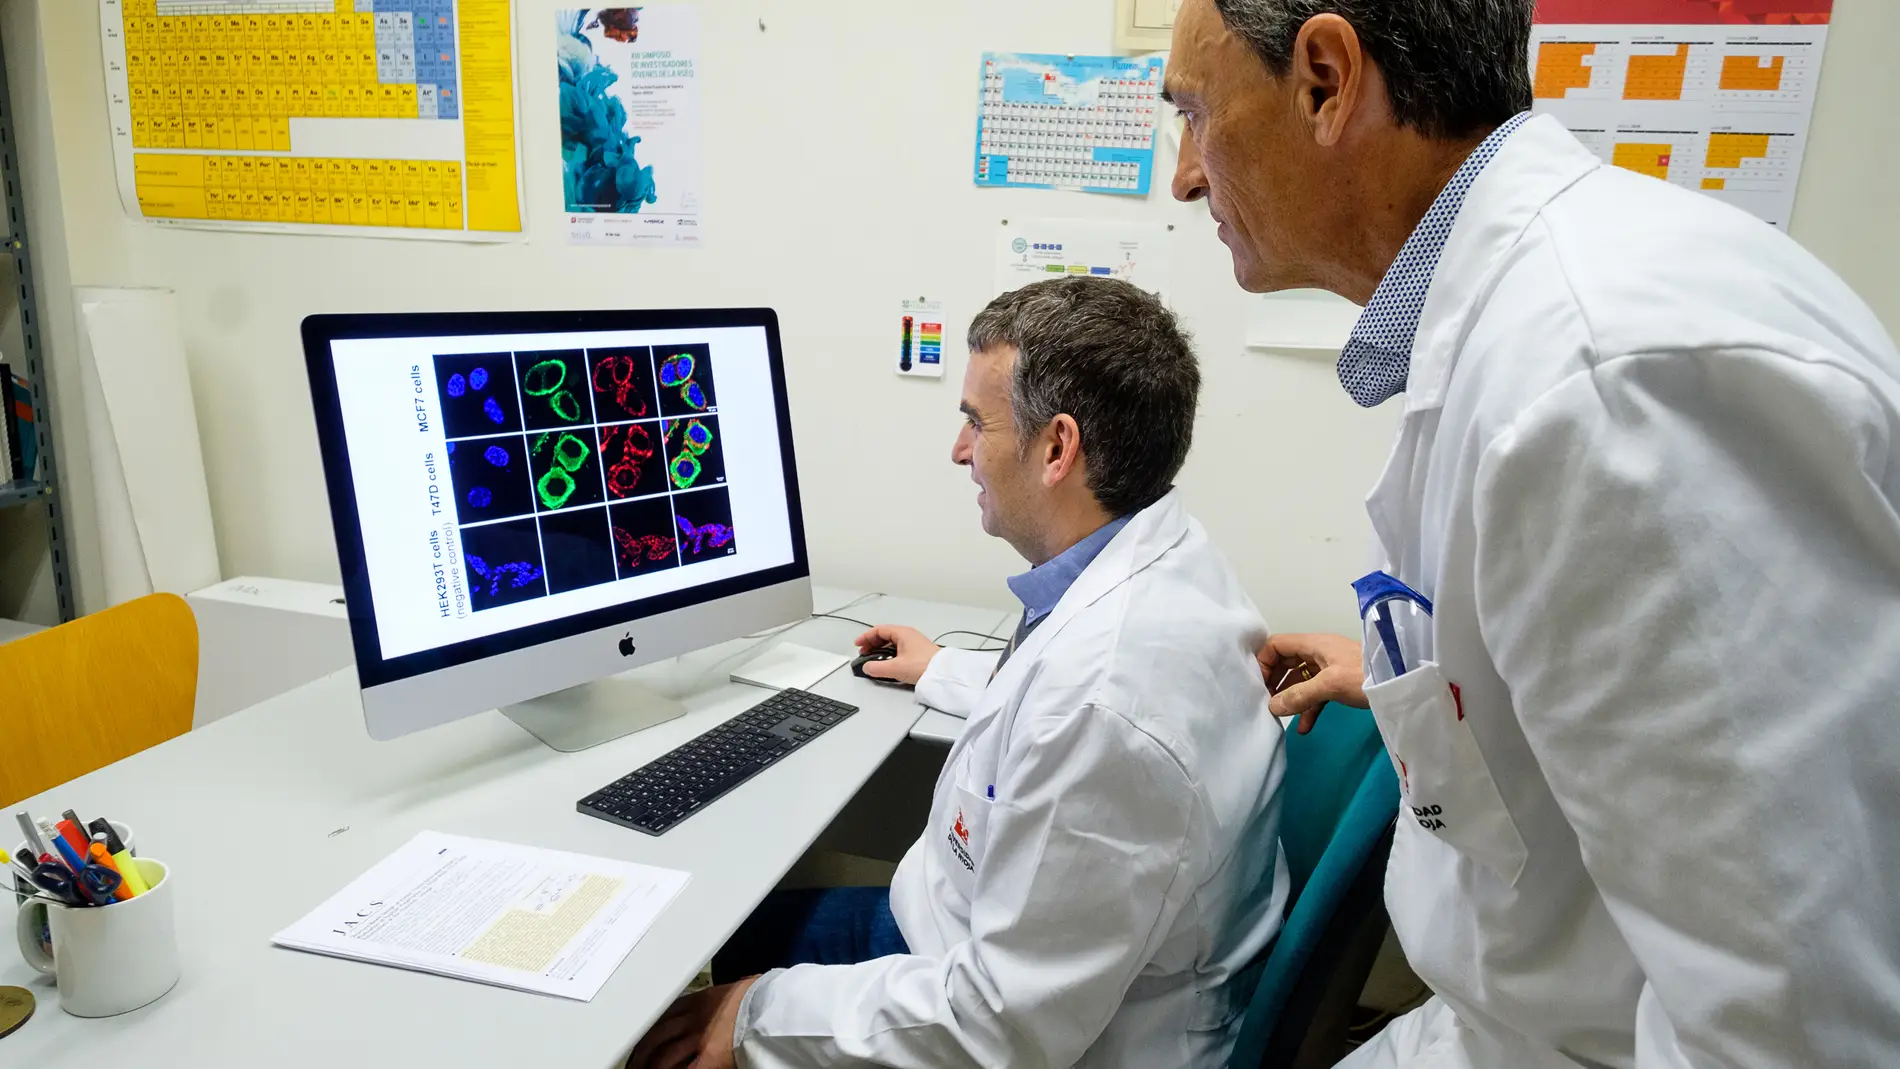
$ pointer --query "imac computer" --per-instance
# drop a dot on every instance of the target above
(528, 504)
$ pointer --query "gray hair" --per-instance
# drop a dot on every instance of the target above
(1112, 357)
(1453, 68)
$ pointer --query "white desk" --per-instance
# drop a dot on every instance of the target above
(299, 773)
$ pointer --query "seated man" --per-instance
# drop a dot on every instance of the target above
(1101, 864)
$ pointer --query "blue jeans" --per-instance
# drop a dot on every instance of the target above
(820, 926)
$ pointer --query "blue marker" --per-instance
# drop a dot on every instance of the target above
(992, 792)
(66, 851)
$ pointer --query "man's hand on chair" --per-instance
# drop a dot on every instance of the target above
(1304, 672)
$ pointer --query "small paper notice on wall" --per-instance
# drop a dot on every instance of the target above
(920, 338)
(1038, 249)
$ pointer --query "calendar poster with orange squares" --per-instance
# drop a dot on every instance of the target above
(392, 118)
(1710, 95)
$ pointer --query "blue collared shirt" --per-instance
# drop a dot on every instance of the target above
(1378, 356)
(1041, 587)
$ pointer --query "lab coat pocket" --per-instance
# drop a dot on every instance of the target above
(1447, 788)
(965, 838)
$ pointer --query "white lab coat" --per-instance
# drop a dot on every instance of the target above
(1647, 473)
(1104, 909)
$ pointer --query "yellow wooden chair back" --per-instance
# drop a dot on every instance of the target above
(85, 694)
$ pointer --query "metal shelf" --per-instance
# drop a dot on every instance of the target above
(16, 244)
(20, 492)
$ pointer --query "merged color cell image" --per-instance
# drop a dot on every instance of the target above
(694, 455)
(686, 379)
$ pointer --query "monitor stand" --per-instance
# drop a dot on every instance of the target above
(593, 713)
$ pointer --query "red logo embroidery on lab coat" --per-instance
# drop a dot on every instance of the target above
(959, 840)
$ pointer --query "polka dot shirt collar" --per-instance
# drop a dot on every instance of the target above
(1378, 356)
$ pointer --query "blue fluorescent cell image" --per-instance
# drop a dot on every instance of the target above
(503, 563)
(490, 479)
(477, 393)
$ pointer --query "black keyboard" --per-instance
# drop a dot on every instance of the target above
(656, 796)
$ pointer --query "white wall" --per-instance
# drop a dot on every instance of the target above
(838, 143)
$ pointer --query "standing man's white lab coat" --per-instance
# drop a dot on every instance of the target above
(1648, 475)
(1104, 907)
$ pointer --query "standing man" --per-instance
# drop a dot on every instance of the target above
(1640, 520)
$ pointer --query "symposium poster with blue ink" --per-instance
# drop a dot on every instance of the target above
(631, 164)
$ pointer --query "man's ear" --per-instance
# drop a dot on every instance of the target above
(1329, 72)
(1061, 444)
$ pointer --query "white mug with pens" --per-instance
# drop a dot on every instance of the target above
(93, 915)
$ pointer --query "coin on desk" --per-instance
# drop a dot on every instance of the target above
(16, 1006)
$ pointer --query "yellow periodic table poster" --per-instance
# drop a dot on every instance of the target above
(390, 118)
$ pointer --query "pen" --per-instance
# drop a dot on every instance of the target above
(53, 841)
(69, 855)
(32, 832)
(104, 860)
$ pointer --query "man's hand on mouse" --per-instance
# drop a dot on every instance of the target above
(914, 652)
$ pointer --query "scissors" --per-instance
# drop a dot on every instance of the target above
(90, 886)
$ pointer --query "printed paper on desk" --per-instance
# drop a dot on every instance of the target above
(496, 913)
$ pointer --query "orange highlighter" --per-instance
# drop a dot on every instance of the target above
(104, 860)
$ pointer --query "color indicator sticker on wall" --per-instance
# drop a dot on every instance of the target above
(919, 338)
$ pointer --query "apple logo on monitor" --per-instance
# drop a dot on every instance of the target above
(626, 646)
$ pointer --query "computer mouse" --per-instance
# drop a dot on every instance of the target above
(882, 653)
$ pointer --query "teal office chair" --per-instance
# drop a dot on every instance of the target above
(1339, 801)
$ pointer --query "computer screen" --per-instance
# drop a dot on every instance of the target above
(526, 477)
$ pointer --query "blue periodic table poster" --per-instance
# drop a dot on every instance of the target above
(1068, 122)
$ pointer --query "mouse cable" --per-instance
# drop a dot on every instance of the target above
(780, 629)
(973, 634)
